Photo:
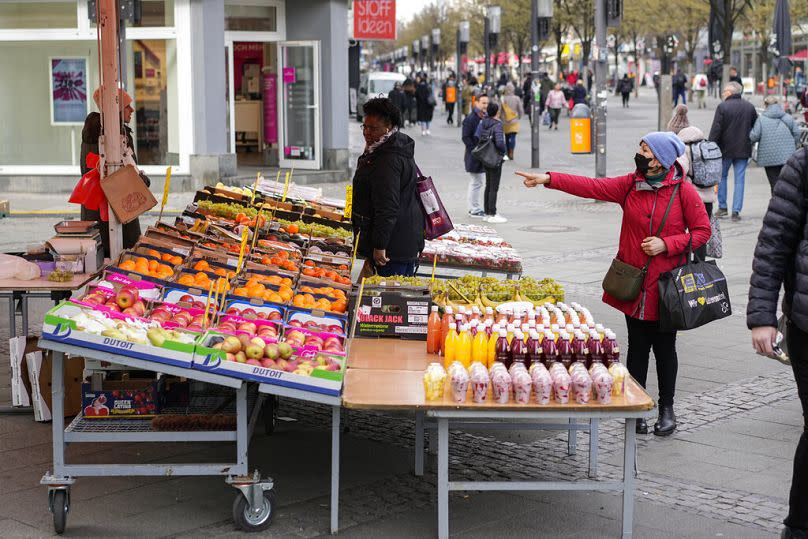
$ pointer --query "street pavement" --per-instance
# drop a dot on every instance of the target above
(725, 472)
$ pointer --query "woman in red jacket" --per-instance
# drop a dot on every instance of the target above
(644, 196)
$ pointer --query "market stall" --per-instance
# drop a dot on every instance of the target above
(474, 249)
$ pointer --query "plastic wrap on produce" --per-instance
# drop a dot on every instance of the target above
(474, 246)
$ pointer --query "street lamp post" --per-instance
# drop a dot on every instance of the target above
(416, 45)
(425, 56)
(436, 49)
(601, 57)
(462, 47)
(541, 14)
(492, 28)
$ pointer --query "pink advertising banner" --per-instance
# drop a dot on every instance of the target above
(270, 108)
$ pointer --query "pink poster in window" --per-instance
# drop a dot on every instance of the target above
(270, 108)
(289, 76)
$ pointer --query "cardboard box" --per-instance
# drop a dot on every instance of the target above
(385, 312)
(127, 194)
(128, 399)
(37, 369)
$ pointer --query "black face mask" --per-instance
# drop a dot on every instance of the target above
(642, 163)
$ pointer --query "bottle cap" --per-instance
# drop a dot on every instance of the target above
(434, 308)
(449, 310)
(452, 325)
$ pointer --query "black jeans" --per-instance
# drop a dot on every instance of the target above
(642, 336)
(492, 176)
(797, 341)
(772, 173)
(701, 252)
(554, 117)
(450, 109)
(625, 98)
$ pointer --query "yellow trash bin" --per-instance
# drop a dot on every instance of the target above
(580, 129)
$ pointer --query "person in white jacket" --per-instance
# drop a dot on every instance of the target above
(690, 134)
(699, 88)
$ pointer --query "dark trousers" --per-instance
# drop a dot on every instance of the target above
(625, 98)
(450, 109)
(677, 93)
(406, 269)
(772, 173)
(701, 252)
(130, 231)
(644, 335)
(492, 176)
(554, 117)
(797, 341)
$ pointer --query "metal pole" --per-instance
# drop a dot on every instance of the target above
(600, 89)
(487, 49)
(111, 142)
(461, 82)
(535, 122)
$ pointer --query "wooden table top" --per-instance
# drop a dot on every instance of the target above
(390, 354)
(41, 284)
(380, 389)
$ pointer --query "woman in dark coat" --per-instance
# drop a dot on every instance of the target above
(491, 127)
(89, 143)
(425, 100)
(386, 215)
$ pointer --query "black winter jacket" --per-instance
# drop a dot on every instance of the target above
(781, 255)
(733, 120)
(386, 213)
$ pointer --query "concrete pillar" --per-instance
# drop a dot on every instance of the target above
(326, 21)
(209, 159)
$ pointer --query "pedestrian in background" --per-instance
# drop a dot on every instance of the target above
(409, 113)
(473, 166)
(579, 93)
(691, 135)
(399, 99)
(734, 77)
(527, 94)
(555, 102)
(781, 260)
(699, 89)
(468, 94)
(732, 123)
(679, 84)
(491, 127)
(777, 136)
(425, 104)
(449, 94)
(512, 112)
(624, 87)
(644, 196)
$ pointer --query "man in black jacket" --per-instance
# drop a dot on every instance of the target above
(679, 84)
(386, 215)
(781, 257)
(473, 166)
(733, 120)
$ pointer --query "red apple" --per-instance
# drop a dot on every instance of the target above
(126, 297)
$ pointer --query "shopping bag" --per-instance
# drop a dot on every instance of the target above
(715, 245)
(486, 153)
(547, 118)
(692, 295)
(436, 219)
(127, 194)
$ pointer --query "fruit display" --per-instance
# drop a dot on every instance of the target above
(220, 269)
(146, 266)
(328, 324)
(174, 316)
(309, 301)
(253, 312)
(491, 292)
(304, 340)
(169, 258)
(314, 229)
(242, 327)
(242, 191)
(500, 257)
(264, 288)
(226, 210)
(328, 291)
(126, 300)
(60, 276)
(280, 260)
(203, 280)
(311, 269)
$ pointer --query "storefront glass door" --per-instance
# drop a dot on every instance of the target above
(299, 96)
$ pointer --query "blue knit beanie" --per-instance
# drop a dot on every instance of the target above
(666, 146)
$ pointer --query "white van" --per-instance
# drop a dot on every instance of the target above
(375, 84)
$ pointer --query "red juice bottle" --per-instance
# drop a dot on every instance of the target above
(534, 354)
(580, 352)
(595, 348)
(565, 350)
(519, 349)
(611, 349)
(503, 350)
(549, 349)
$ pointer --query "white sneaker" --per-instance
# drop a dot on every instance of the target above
(505, 158)
(496, 219)
(423, 133)
(486, 218)
(428, 132)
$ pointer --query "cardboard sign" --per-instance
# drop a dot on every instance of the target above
(127, 195)
(374, 19)
(402, 314)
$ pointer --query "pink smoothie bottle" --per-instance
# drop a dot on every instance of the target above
(580, 352)
(565, 350)
(611, 350)
(534, 353)
(503, 350)
(549, 349)
(595, 349)
(519, 349)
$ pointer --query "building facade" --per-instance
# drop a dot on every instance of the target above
(218, 85)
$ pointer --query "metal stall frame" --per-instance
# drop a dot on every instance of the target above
(247, 512)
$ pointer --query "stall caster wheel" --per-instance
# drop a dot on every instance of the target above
(255, 503)
(59, 502)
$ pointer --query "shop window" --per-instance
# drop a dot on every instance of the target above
(247, 18)
(23, 15)
(154, 76)
(151, 13)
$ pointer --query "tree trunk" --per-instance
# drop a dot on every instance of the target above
(586, 49)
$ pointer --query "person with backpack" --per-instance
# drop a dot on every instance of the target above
(512, 112)
(777, 136)
(679, 83)
(490, 131)
(699, 88)
(624, 87)
(701, 162)
(662, 216)
(781, 260)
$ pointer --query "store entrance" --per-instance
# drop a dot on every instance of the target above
(252, 102)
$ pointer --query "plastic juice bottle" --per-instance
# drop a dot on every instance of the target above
(509, 333)
(534, 354)
(464, 346)
(555, 331)
(450, 346)
(580, 353)
(569, 328)
(503, 350)
(531, 324)
(488, 325)
(491, 352)
(565, 350)
(448, 316)
(519, 349)
(611, 349)
(479, 347)
(433, 331)
(549, 349)
(595, 349)
(472, 327)
(601, 331)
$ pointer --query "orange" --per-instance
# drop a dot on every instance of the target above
(142, 268)
(274, 279)
(201, 265)
(323, 304)
(153, 265)
(220, 271)
(309, 263)
(241, 291)
(275, 297)
(201, 277)
(286, 293)
(307, 289)
(176, 260)
(298, 301)
(286, 281)
(186, 280)
(141, 260)
(128, 265)
(165, 257)
(339, 306)
(293, 229)
(308, 271)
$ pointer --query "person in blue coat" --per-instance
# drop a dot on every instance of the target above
(491, 127)
(777, 135)
(473, 166)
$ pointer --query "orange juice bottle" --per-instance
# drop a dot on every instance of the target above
(479, 347)
(463, 349)
(433, 330)
(450, 346)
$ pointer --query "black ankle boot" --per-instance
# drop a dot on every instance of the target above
(667, 421)
(642, 427)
